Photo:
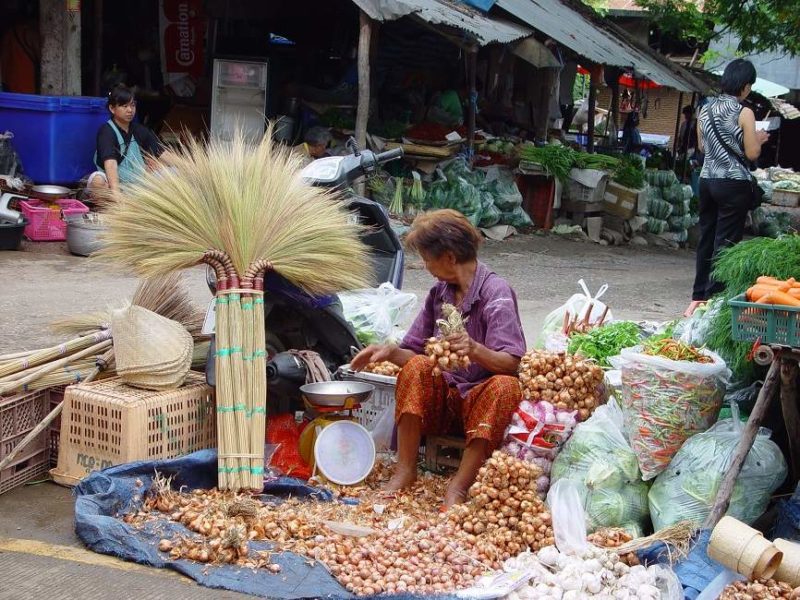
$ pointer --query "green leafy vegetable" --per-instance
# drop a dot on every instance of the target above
(604, 342)
(630, 172)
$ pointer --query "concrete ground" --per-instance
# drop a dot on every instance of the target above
(41, 557)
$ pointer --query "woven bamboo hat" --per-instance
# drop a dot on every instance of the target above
(151, 351)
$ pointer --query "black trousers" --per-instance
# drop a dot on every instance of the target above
(724, 204)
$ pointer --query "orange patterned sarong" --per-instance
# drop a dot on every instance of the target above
(484, 413)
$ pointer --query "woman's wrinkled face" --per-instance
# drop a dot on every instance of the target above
(124, 113)
(441, 267)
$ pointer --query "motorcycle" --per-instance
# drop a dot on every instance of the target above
(298, 321)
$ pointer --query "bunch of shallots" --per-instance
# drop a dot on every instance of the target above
(426, 558)
(762, 589)
(438, 348)
(383, 368)
(504, 507)
(563, 380)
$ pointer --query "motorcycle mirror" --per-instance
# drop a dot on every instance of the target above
(352, 145)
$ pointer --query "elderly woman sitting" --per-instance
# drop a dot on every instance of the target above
(478, 401)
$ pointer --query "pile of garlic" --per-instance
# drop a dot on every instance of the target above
(597, 573)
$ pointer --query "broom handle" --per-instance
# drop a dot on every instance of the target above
(40, 427)
(50, 367)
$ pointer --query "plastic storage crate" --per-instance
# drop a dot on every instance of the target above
(107, 423)
(382, 398)
(767, 323)
(55, 136)
(18, 416)
(46, 224)
(56, 395)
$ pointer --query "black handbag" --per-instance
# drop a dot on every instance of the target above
(756, 193)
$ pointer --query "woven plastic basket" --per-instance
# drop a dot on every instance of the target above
(767, 323)
(108, 423)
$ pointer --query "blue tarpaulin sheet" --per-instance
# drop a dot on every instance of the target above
(106, 495)
(695, 571)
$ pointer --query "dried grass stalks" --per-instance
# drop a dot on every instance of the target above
(245, 199)
(166, 295)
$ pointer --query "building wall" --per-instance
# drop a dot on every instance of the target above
(662, 109)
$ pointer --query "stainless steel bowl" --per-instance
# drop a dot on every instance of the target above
(337, 393)
(50, 192)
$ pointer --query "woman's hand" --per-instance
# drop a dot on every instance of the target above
(762, 137)
(462, 344)
(375, 353)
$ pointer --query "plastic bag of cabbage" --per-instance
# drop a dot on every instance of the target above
(598, 457)
(688, 488)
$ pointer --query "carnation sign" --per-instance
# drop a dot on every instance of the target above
(183, 27)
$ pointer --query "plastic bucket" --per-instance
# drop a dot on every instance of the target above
(11, 234)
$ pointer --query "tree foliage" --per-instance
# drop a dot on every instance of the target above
(761, 25)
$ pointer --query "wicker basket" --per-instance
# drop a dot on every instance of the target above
(108, 423)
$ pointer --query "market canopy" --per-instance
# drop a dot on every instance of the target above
(577, 28)
(768, 89)
(482, 28)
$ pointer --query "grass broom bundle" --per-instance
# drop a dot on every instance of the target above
(242, 208)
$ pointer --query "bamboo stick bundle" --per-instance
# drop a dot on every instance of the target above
(236, 205)
(7, 386)
(45, 355)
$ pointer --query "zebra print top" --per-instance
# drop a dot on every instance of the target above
(719, 164)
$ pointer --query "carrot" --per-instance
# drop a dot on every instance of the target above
(758, 291)
(765, 299)
(782, 299)
(766, 280)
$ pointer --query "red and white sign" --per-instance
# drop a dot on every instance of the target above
(183, 30)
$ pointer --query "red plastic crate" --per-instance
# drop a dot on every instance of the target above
(47, 224)
(18, 416)
(538, 192)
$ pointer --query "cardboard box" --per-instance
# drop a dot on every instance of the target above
(586, 185)
(623, 202)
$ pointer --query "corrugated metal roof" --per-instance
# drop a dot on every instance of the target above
(484, 29)
(575, 27)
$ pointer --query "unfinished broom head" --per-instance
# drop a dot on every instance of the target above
(242, 198)
(166, 295)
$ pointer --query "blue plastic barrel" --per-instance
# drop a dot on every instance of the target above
(55, 136)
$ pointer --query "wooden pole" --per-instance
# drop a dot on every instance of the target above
(677, 131)
(362, 112)
(97, 75)
(593, 83)
(791, 413)
(771, 385)
(472, 67)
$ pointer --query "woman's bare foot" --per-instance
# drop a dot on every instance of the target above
(455, 494)
(693, 307)
(402, 478)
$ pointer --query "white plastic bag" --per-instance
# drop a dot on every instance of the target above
(665, 402)
(600, 461)
(569, 520)
(375, 313)
(383, 429)
(578, 305)
(689, 486)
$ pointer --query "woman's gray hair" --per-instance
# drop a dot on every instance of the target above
(318, 136)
